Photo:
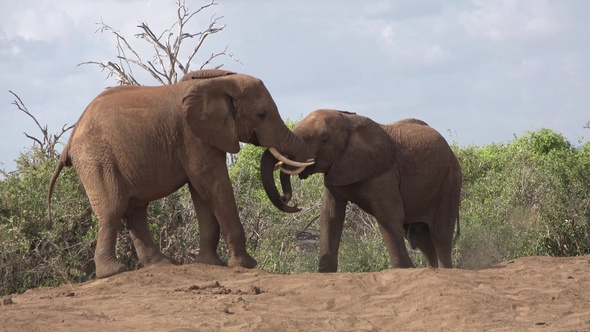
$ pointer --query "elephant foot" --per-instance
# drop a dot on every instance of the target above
(402, 264)
(105, 270)
(328, 264)
(242, 261)
(208, 258)
(160, 259)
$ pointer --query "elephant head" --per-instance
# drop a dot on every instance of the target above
(336, 140)
(223, 108)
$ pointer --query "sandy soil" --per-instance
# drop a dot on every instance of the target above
(535, 293)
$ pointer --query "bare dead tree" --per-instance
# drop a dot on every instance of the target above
(48, 141)
(165, 65)
(587, 125)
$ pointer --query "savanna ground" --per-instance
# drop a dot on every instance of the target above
(533, 293)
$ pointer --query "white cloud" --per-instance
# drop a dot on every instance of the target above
(408, 44)
(530, 68)
(10, 49)
(377, 8)
(48, 20)
(42, 20)
(573, 66)
(505, 20)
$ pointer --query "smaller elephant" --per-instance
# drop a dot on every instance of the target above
(404, 174)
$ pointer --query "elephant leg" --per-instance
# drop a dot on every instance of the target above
(105, 199)
(394, 241)
(389, 213)
(444, 246)
(331, 224)
(209, 231)
(217, 188)
(105, 258)
(443, 228)
(147, 251)
(423, 241)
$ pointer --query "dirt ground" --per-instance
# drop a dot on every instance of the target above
(534, 293)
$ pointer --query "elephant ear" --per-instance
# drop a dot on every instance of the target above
(368, 153)
(210, 113)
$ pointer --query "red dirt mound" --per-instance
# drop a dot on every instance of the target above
(534, 293)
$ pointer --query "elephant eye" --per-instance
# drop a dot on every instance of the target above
(261, 115)
(325, 137)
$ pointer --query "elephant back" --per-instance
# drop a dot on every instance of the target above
(204, 74)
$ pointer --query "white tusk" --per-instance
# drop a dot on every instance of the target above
(287, 161)
(279, 166)
(292, 171)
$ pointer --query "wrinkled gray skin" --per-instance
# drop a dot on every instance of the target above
(404, 174)
(136, 144)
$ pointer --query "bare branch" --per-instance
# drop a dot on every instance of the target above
(149, 35)
(148, 69)
(114, 71)
(202, 36)
(166, 73)
(56, 137)
(587, 125)
(155, 70)
(215, 55)
(41, 145)
(123, 78)
(48, 142)
(21, 107)
(165, 65)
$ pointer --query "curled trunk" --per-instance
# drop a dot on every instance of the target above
(267, 165)
(286, 186)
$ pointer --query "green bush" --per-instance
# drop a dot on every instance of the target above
(33, 251)
(527, 197)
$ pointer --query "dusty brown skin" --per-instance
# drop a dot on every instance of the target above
(404, 174)
(136, 144)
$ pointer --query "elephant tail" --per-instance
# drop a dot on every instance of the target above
(64, 160)
(458, 234)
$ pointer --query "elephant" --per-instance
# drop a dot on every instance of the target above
(136, 144)
(404, 174)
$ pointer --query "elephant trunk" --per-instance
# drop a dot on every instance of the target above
(292, 146)
(267, 166)
(286, 187)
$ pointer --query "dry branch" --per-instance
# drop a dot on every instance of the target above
(166, 64)
(48, 141)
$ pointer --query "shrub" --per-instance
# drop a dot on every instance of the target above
(33, 251)
(527, 197)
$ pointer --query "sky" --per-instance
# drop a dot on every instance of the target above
(479, 72)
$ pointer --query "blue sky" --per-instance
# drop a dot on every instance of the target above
(477, 71)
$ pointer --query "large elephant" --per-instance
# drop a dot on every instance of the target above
(404, 174)
(136, 144)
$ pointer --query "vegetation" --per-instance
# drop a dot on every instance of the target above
(528, 197)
